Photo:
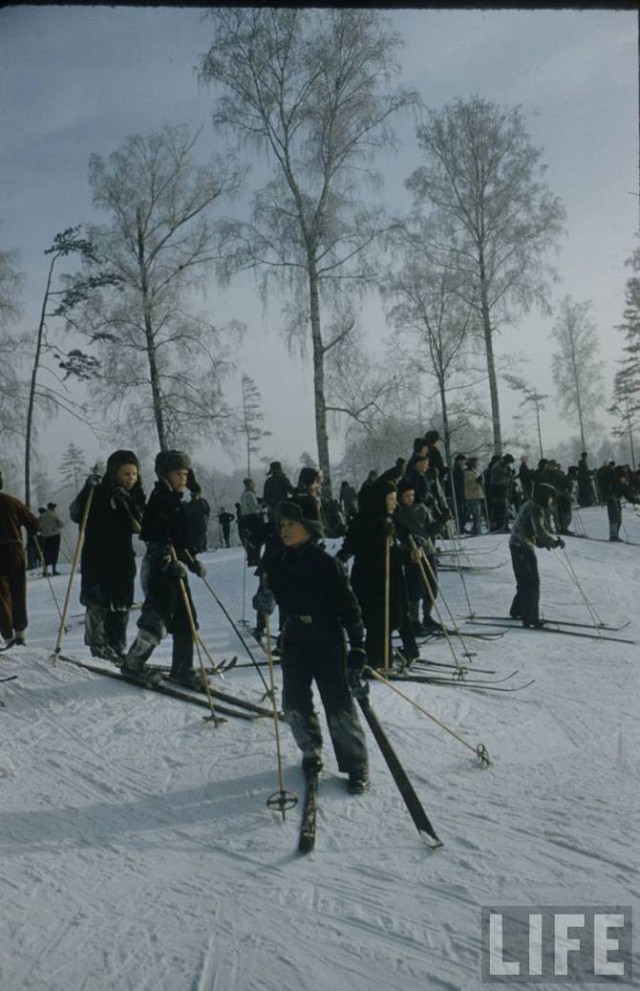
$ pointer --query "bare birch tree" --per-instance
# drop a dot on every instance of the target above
(309, 87)
(162, 365)
(482, 184)
(577, 368)
(11, 420)
(626, 383)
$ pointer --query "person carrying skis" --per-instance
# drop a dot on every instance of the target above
(165, 566)
(529, 532)
(322, 613)
(417, 522)
(13, 573)
(108, 561)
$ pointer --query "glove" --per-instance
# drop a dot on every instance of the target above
(192, 484)
(120, 494)
(559, 543)
(356, 660)
(264, 601)
(176, 569)
(93, 480)
(199, 569)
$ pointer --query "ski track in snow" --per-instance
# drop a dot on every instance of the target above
(137, 853)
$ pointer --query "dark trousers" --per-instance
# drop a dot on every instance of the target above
(526, 602)
(51, 551)
(313, 652)
(106, 628)
(13, 590)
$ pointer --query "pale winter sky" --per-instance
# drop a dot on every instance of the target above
(77, 80)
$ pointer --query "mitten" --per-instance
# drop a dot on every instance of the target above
(264, 601)
(176, 569)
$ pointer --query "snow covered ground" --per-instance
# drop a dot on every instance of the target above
(137, 852)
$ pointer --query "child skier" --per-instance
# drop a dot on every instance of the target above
(529, 532)
(108, 562)
(321, 608)
(164, 570)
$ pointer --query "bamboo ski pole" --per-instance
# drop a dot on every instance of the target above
(221, 605)
(421, 561)
(565, 561)
(46, 575)
(74, 565)
(214, 718)
(480, 750)
(281, 799)
(387, 598)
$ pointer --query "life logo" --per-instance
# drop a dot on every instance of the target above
(552, 943)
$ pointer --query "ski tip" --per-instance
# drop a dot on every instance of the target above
(431, 840)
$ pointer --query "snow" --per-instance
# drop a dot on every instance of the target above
(137, 851)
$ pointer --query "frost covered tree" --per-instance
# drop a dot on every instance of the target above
(311, 89)
(163, 365)
(626, 383)
(482, 183)
(577, 368)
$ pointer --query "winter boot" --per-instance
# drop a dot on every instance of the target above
(182, 670)
(143, 646)
(359, 782)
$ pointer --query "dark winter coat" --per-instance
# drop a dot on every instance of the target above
(365, 541)
(306, 581)
(165, 526)
(108, 562)
(277, 488)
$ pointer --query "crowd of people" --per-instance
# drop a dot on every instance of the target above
(337, 613)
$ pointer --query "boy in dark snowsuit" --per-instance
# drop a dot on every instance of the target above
(529, 532)
(164, 573)
(416, 521)
(108, 562)
(322, 612)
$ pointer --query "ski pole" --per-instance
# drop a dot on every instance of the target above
(480, 750)
(568, 566)
(387, 596)
(74, 565)
(214, 718)
(421, 562)
(281, 799)
(46, 574)
(235, 628)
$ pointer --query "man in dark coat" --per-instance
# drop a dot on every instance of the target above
(108, 563)
(225, 520)
(277, 488)
(13, 573)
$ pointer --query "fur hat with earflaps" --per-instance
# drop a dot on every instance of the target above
(167, 461)
(301, 509)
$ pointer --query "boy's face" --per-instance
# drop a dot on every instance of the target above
(407, 497)
(293, 533)
(127, 476)
(177, 479)
(391, 501)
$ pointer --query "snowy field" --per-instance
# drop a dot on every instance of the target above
(137, 852)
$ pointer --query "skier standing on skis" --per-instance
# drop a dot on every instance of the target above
(13, 573)
(108, 562)
(529, 532)
(165, 566)
(322, 612)
(618, 488)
